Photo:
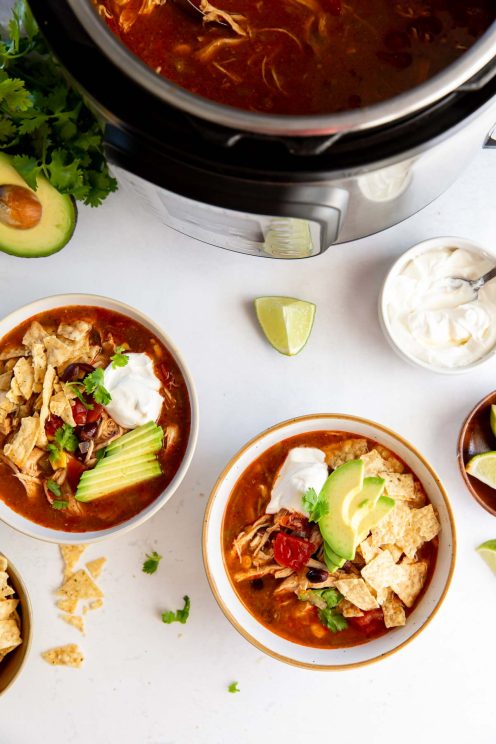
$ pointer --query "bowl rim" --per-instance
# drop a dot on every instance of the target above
(93, 300)
(27, 607)
(415, 250)
(459, 454)
(209, 573)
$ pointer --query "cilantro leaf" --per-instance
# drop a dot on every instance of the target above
(333, 620)
(7, 129)
(151, 563)
(233, 687)
(28, 168)
(54, 487)
(75, 388)
(119, 359)
(93, 384)
(180, 616)
(323, 599)
(314, 505)
(66, 439)
(60, 504)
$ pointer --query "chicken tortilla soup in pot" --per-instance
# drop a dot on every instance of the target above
(298, 57)
(94, 418)
(329, 539)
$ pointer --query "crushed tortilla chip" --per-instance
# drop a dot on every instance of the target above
(13, 352)
(348, 609)
(24, 375)
(393, 611)
(7, 608)
(75, 620)
(60, 405)
(423, 525)
(67, 605)
(71, 555)
(58, 351)
(356, 591)
(48, 382)
(24, 441)
(80, 586)
(395, 551)
(391, 528)
(96, 567)
(35, 334)
(340, 452)
(399, 486)
(74, 331)
(5, 379)
(368, 550)
(409, 580)
(374, 463)
(10, 635)
(381, 571)
(39, 366)
(394, 464)
(69, 655)
(419, 497)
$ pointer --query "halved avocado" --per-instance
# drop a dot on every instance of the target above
(332, 560)
(337, 492)
(365, 500)
(44, 219)
(372, 518)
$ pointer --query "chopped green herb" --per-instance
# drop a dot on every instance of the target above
(44, 122)
(151, 563)
(54, 487)
(180, 616)
(100, 454)
(66, 439)
(93, 384)
(60, 504)
(233, 687)
(75, 387)
(333, 620)
(314, 505)
(119, 359)
(324, 599)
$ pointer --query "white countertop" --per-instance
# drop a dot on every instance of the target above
(144, 682)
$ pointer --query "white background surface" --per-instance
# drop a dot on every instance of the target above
(148, 683)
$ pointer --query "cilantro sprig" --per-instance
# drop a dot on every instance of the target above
(233, 687)
(93, 385)
(57, 503)
(326, 601)
(314, 505)
(119, 359)
(180, 616)
(44, 122)
(60, 504)
(64, 440)
(151, 563)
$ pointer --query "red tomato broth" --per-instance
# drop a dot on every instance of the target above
(120, 506)
(285, 614)
(302, 56)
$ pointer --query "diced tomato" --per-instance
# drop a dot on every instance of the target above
(370, 622)
(83, 415)
(75, 469)
(93, 414)
(292, 552)
(51, 425)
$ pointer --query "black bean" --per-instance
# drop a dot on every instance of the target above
(317, 575)
(76, 372)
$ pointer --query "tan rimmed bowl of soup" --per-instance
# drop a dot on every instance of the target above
(98, 418)
(264, 557)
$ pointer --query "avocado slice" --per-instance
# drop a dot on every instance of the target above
(141, 446)
(365, 500)
(119, 481)
(141, 433)
(373, 517)
(50, 229)
(337, 493)
(332, 560)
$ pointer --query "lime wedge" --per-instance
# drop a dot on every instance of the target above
(483, 467)
(492, 420)
(286, 322)
(488, 551)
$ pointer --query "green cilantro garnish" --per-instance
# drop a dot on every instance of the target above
(54, 487)
(180, 616)
(100, 454)
(326, 601)
(333, 620)
(233, 687)
(45, 123)
(93, 385)
(119, 359)
(151, 563)
(314, 505)
(66, 439)
(75, 387)
(60, 504)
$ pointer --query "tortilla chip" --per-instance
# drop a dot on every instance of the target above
(35, 334)
(69, 655)
(60, 405)
(5, 379)
(409, 580)
(14, 393)
(419, 497)
(24, 375)
(75, 620)
(368, 550)
(399, 486)
(374, 463)
(381, 595)
(7, 607)
(80, 586)
(3, 563)
(67, 605)
(391, 528)
(356, 591)
(5, 588)
(13, 352)
(96, 567)
(96, 604)
(10, 635)
(348, 609)
(71, 555)
(393, 610)
(74, 331)
(39, 366)
(48, 382)
(381, 571)
(24, 441)
(422, 526)
(340, 452)
(395, 551)
(394, 464)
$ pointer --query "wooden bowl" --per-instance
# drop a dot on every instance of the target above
(11, 666)
(476, 437)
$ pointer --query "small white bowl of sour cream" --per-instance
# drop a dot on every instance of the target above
(429, 325)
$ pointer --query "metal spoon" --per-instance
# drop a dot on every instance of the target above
(470, 286)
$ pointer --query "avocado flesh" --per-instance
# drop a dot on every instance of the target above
(134, 436)
(372, 518)
(365, 501)
(337, 493)
(146, 472)
(57, 223)
(110, 468)
(140, 446)
(332, 560)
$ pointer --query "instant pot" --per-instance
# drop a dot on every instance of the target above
(274, 186)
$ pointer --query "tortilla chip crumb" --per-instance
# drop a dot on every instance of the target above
(69, 655)
(340, 452)
(71, 555)
(381, 571)
(348, 609)
(357, 592)
(75, 620)
(96, 567)
(393, 610)
(67, 605)
(80, 586)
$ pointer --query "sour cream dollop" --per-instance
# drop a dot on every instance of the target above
(134, 390)
(303, 468)
(436, 324)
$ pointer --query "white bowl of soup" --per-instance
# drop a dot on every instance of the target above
(268, 565)
(98, 418)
